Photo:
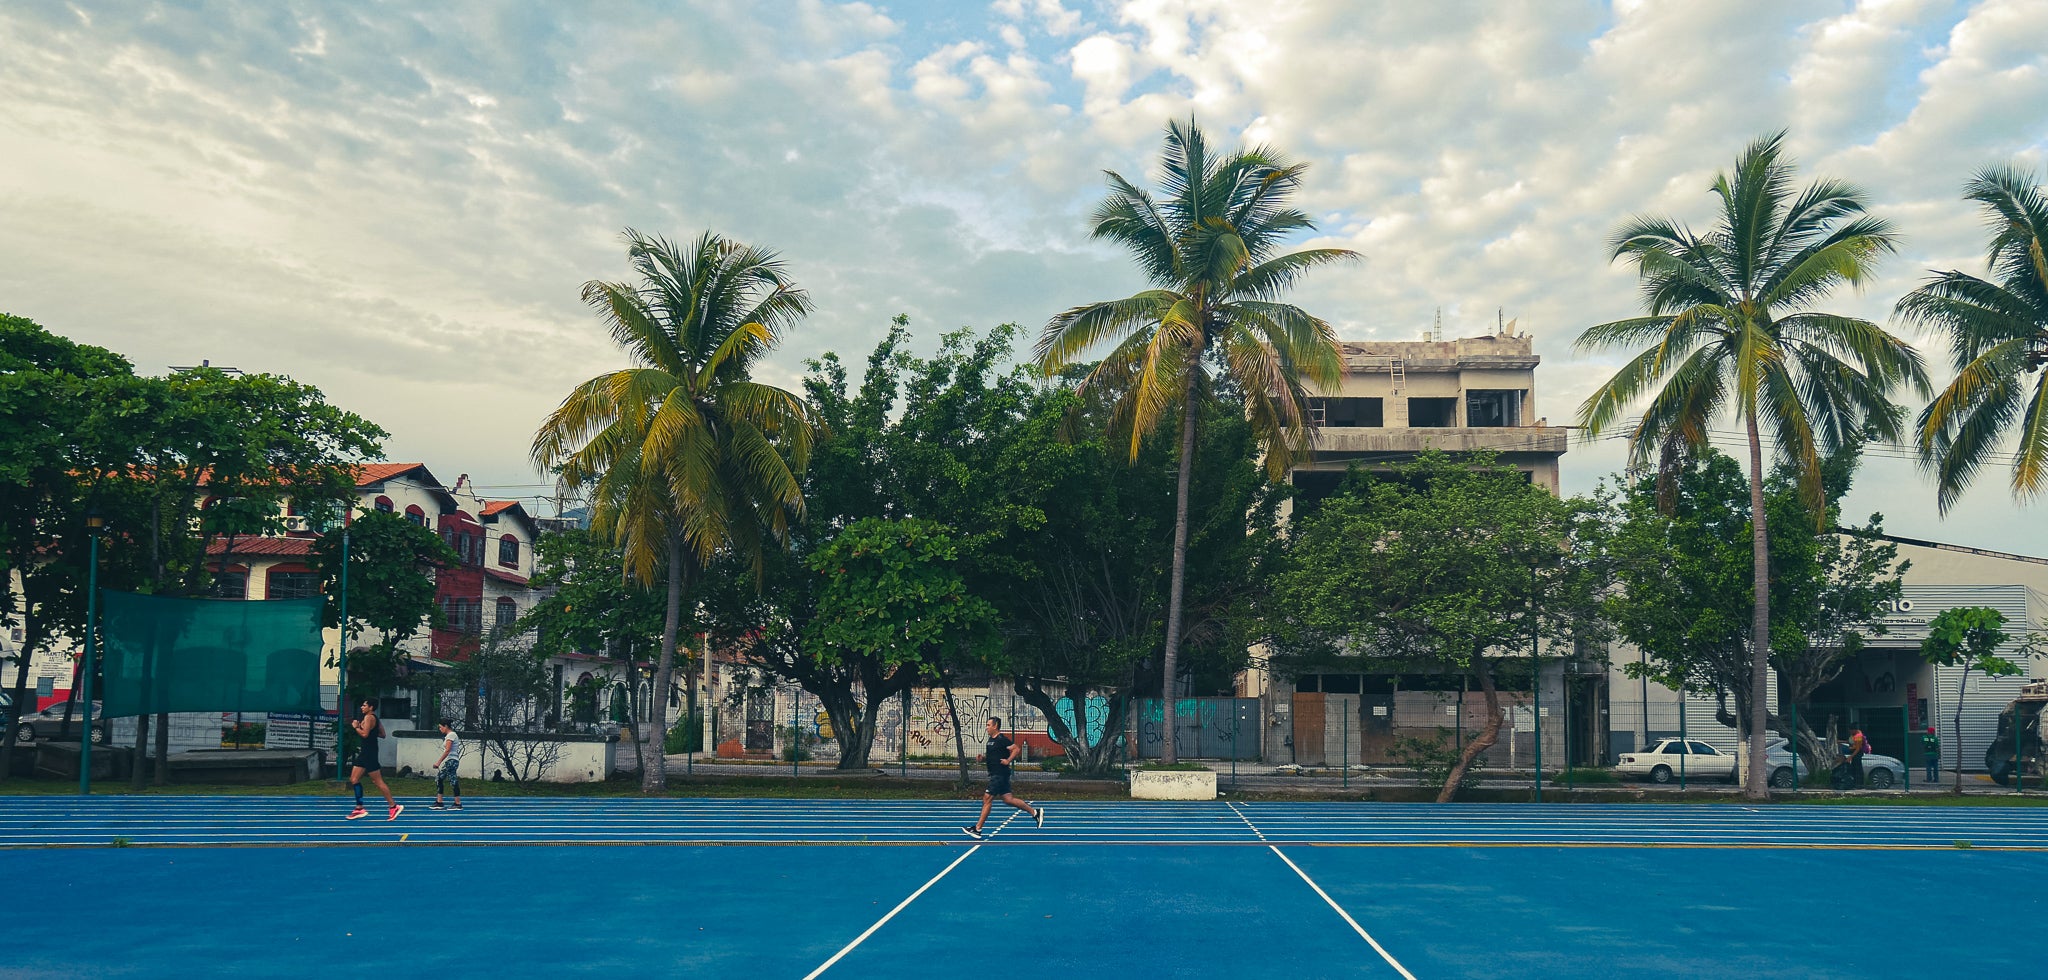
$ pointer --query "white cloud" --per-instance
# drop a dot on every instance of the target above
(400, 208)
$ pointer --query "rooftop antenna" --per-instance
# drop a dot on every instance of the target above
(1437, 328)
(1500, 319)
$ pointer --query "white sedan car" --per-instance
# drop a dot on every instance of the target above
(1664, 761)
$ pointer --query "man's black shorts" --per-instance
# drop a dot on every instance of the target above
(999, 783)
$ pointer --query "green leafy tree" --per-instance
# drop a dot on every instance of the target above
(391, 565)
(1084, 611)
(1997, 333)
(1210, 247)
(1733, 325)
(684, 455)
(1452, 566)
(1968, 637)
(893, 601)
(55, 396)
(1681, 555)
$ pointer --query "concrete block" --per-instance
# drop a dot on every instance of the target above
(1147, 784)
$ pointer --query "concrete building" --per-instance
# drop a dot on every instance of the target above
(1396, 400)
(1886, 689)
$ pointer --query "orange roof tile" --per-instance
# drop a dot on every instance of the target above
(261, 546)
(493, 506)
(369, 473)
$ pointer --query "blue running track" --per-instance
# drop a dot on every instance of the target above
(511, 887)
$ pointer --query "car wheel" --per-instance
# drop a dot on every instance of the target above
(1880, 779)
(24, 734)
(1661, 774)
(1781, 778)
(99, 736)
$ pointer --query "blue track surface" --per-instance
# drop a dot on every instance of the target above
(1242, 890)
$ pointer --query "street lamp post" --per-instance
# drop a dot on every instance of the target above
(93, 522)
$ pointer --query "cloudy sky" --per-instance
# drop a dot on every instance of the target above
(400, 207)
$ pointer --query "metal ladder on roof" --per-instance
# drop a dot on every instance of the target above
(1389, 363)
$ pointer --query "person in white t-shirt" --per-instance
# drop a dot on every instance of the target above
(446, 767)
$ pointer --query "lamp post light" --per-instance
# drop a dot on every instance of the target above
(93, 523)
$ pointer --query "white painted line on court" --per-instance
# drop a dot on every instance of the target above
(1355, 927)
(1247, 820)
(900, 906)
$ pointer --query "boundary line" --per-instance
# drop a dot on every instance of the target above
(1355, 927)
(900, 906)
(1247, 821)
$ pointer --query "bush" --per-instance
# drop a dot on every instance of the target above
(1434, 758)
(796, 744)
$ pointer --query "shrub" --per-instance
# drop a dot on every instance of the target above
(686, 736)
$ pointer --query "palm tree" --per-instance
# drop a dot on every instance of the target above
(1732, 326)
(683, 453)
(1998, 335)
(1210, 248)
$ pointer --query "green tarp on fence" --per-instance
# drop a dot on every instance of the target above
(173, 654)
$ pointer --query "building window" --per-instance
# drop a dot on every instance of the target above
(1432, 413)
(508, 551)
(229, 585)
(414, 514)
(469, 547)
(463, 615)
(508, 612)
(1347, 413)
(1493, 408)
(291, 585)
(383, 505)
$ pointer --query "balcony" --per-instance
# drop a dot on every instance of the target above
(1548, 440)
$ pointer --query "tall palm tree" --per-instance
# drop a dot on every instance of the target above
(683, 453)
(1732, 326)
(1998, 335)
(1210, 246)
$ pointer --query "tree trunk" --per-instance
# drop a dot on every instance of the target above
(654, 778)
(1487, 736)
(1084, 758)
(959, 744)
(1755, 785)
(22, 655)
(138, 773)
(1190, 411)
(1961, 687)
(161, 775)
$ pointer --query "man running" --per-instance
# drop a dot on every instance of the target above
(372, 731)
(998, 756)
(447, 769)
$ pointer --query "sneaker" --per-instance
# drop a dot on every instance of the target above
(457, 806)
(358, 813)
(395, 811)
(1040, 817)
(971, 832)
(436, 805)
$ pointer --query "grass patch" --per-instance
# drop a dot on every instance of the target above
(1589, 777)
(1175, 767)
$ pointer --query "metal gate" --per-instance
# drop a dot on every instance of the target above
(1205, 728)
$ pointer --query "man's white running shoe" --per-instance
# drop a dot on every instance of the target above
(971, 832)
(1040, 816)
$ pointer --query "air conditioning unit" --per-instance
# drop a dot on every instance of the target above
(296, 522)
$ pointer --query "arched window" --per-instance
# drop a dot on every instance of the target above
(508, 551)
(508, 612)
(383, 505)
(414, 514)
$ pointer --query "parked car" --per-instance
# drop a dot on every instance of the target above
(1879, 771)
(1663, 762)
(45, 724)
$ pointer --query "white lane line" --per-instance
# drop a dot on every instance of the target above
(1355, 927)
(1006, 822)
(884, 920)
(1247, 820)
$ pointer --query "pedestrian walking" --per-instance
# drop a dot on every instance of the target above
(1000, 753)
(1859, 745)
(448, 768)
(371, 730)
(1930, 746)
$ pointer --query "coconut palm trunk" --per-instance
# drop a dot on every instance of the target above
(1755, 782)
(1170, 662)
(654, 775)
